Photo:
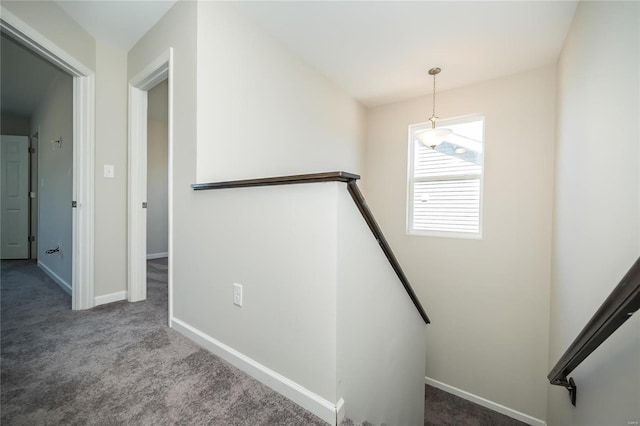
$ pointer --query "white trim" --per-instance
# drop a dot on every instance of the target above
(137, 223)
(157, 255)
(525, 418)
(83, 190)
(56, 278)
(157, 71)
(170, 181)
(82, 274)
(40, 44)
(154, 73)
(33, 245)
(307, 399)
(110, 298)
(340, 411)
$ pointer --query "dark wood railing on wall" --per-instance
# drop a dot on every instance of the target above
(623, 301)
(348, 178)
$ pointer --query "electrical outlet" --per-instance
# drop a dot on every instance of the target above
(237, 294)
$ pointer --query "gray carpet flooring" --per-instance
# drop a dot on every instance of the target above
(442, 408)
(119, 364)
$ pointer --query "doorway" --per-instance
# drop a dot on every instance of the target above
(37, 98)
(158, 192)
(158, 172)
(80, 251)
(156, 74)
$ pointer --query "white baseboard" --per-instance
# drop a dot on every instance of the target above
(157, 255)
(525, 418)
(310, 401)
(109, 298)
(55, 277)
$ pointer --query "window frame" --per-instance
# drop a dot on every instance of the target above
(412, 130)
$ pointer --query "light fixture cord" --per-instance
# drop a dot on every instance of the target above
(433, 115)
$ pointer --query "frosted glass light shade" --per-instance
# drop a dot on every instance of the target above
(433, 137)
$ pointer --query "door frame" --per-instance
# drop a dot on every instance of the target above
(33, 187)
(82, 273)
(154, 73)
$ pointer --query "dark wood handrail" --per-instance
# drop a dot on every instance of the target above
(279, 180)
(348, 178)
(358, 198)
(623, 301)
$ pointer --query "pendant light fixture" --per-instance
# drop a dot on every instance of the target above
(434, 136)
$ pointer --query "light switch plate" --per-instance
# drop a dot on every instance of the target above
(109, 171)
(237, 294)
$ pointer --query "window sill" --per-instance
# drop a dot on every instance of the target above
(446, 234)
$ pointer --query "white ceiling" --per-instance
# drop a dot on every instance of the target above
(117, 23)
(377, 51)
(380, 51)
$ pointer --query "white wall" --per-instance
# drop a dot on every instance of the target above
(262, 111)
(111, 149)
(597, 208)
(53, 120)
(49, 20)
(489, 298)
(157, 170)
(381, 337)
(280, 244)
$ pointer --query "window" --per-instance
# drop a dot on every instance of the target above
(445, 183)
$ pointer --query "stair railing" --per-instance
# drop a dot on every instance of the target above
(348, 178)
(623, 302)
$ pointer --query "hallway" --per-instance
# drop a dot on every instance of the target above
(120, 364)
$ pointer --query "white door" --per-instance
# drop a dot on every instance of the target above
(14, 164)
